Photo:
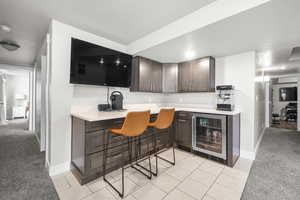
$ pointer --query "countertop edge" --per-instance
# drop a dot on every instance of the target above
(84, 116)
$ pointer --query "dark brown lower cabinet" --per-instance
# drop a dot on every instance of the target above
(88, 143)
(88, 147)
(183, 129)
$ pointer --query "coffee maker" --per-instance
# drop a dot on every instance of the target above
(116, 98)
(225, 97)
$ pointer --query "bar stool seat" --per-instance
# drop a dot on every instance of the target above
(134, 125)
(116, 131)
(164, 121)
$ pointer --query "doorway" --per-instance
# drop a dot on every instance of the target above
(283, 98)
(15, 96)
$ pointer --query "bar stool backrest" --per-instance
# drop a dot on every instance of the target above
(165, 118)
(135, 123)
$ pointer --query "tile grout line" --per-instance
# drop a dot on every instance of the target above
(181, 181)
(167, 193)
(212, 184)
(110, 193)
(187, 177)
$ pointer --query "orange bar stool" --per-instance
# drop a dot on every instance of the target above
(164, 120)
(134, 125)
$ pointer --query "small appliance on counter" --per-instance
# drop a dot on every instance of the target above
(225, 100)
(116, 98)
(104, 107)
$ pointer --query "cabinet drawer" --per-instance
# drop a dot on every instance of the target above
(94, 162)
(163, 140)
(184, 132)
(116, 140)
(101, 125)
(94, 141)
(184, 115)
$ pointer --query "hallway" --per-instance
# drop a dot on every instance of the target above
(275, 173)
(22, 166)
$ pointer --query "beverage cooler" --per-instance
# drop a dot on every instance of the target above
(209, 135)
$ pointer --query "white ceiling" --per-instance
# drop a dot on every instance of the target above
(273, 27)
(117, 20)
(280, 58)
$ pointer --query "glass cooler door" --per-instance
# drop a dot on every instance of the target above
(209, 134)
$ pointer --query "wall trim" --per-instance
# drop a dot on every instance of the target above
(250, 155)
(37, 138)
(259, 140)
(59, 169)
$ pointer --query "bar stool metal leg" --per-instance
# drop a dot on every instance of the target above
(121, 194)
(150, 153)
(164, 159)
(138, 152)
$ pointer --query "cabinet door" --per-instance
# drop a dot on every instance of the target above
(184, 132)
(135, 71)
(156, 77)
(94, 142)
(145, 75)
(200, 75)
(170, 78)
(184, 77)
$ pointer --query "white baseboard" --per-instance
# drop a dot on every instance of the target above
(247, 154)
(259, 140)
(59, 169)
(250, 154)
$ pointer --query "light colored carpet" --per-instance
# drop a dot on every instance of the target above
(275, 173)
(22, 166)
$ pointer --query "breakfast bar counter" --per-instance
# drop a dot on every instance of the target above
(94, 115)
(89, 130)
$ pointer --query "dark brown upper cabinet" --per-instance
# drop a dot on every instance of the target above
(197, 75)
(170, 77)
(146, 75)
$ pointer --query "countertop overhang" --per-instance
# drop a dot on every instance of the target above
(96, 115)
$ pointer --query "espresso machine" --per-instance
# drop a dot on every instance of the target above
(225, 97)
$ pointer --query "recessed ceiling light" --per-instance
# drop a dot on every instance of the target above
(189, 54)
(5, 28)
(283, 67)
(262, 79)
(274, 68)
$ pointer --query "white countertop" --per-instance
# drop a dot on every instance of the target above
(95, 115)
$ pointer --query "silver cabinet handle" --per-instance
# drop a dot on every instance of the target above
(118, 122)
(182, 115)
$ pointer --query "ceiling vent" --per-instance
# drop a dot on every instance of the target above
(9, 45)
(295, 54)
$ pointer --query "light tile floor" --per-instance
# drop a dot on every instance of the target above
(192, 178)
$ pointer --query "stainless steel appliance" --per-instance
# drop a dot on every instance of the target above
(225, 100)
(209, 135)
